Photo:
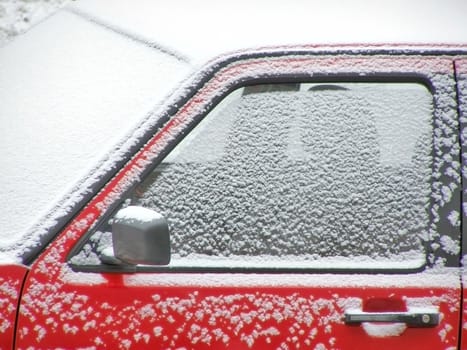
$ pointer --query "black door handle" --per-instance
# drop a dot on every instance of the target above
(412, 319)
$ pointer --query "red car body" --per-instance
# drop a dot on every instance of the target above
(48, 302)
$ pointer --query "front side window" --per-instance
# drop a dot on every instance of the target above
(299, 175)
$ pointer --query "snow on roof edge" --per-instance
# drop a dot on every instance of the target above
(128, 34)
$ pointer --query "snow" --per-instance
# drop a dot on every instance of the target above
(137, 214)
(305, 173)
(449, 245)
(9, 288)
(17, 16)
(408, 260)
(200, 318)
(75, 90)
(35, 88)
(250, 313)
(384, 330)
(62, 112)
(288, 23)
(444, 277)
(206, 311)
(445, 124)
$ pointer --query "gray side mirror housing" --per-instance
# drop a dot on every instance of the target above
(140, 236)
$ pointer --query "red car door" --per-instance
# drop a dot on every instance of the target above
(344, 276)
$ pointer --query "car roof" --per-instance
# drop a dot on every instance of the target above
(78, 84)
(204, 29)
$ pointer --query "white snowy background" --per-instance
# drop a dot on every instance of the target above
(17, 16)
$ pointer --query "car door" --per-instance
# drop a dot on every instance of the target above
(315, 203)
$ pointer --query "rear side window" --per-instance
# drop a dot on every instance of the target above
(312, 175)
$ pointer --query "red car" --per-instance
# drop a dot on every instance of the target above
(188, 193)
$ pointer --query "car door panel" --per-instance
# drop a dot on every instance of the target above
(222, 311)
(104, 307)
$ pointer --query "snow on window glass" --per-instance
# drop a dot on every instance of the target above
(328, 170)
(300, 173)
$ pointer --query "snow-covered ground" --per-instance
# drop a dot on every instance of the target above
(17, 16)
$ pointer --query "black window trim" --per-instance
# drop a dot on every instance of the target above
(283, 78)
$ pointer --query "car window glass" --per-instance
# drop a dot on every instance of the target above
(299, 175)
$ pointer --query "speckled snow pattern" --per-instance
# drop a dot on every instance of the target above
(445, 175)
(445, 179)
(197, 317)
(461, 70)
(446, 168)
(8, 299)
(16, 17)
(60, 303)
(299, 173)
(462, 90)
(245, 318)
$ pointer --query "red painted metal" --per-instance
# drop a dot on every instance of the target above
(117, 316)
(11, 282)
(62, 308)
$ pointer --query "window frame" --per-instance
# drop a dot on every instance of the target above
(319, 77)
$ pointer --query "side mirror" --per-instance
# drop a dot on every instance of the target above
(140, 236)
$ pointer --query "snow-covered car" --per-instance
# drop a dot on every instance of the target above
(207, 176)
